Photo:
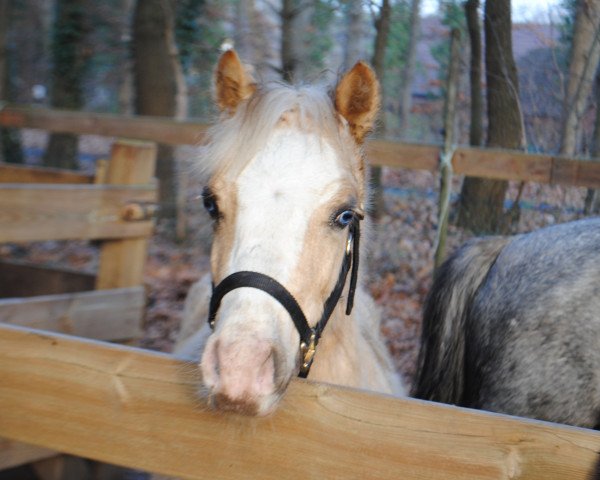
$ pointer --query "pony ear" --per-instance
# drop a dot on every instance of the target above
(357, 99)
(233, 83)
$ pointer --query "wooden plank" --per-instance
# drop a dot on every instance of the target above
(102, 315)
(575, 173)
(503, 165)
(385, 153)
(477, 162)
(122, 261)
(14, 454)
(154, 129)
(23, 279)
(62, 212)
(137, 408)
(23, 174)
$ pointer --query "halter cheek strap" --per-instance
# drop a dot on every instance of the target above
(309, 336)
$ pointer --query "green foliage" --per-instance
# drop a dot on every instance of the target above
(188, 31)
(317, 39)
(453, 16)
(397, 47)
(69, 56)
(567, 29)
(199, 33)
(567, 25)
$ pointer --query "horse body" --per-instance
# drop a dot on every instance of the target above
(512, 325)
(287, 178)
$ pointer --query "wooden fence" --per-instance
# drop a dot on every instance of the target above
(44, 204)
(139, 409)
(477, 162)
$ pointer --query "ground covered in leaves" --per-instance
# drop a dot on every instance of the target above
(399, 262)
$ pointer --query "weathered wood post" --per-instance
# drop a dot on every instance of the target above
(448, 150)
(122, 261)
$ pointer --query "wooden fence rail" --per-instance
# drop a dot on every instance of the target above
(477, 162)
(137, 408)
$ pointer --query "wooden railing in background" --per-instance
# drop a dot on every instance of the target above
(477, 162)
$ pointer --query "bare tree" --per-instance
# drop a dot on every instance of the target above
(159, 86)
(474, 28)
(584, 58)
(382, 28)
(69, 64)
(483, 199)
(476, 127)
(10, 145)
(353, 46)
(592, 199)
(290, 9)
(409, 67)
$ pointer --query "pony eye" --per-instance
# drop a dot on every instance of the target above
(343, 219)
(210, 204)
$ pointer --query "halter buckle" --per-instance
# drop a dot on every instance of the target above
(308, 352)
(349, 243)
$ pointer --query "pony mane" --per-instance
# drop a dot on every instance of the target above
(233, 141)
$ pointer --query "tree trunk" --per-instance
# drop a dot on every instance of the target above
(159, 87)
(474, 28)
(483, 199)
(469, 186)
(10, 140)
(69, 62)
(353, 46)
(585, 54)
(289, 59)
(592, 199)
(409, 68)
(382, 27)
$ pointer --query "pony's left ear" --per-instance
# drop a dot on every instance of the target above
(357, 99)
(233, 84)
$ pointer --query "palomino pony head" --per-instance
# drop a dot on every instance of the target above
(287, 184)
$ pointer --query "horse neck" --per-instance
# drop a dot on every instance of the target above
(351, 352)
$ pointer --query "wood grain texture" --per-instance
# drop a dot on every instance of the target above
(131, 407)
(21, 174)
(502, 164)
(476, 162)
(103, 315)
(154, 129)
(122, 261)
(33, 212)
(385, 153)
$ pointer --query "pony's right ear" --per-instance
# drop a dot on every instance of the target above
(233, 84)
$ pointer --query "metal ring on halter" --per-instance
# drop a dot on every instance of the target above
(308, 353)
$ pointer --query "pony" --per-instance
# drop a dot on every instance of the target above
(287, 194)
(512, 325)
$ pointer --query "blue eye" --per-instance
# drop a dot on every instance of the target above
(343, 219)
(210, 203)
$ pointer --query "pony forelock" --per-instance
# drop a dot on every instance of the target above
(233, 141)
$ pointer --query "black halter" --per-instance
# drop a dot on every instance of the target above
(309, 336)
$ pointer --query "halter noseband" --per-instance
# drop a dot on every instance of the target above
(309, 336)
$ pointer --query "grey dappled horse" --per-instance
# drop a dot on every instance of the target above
(512, 325)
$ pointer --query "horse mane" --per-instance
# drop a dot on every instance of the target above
(234, 140)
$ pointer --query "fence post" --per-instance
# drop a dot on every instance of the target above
(448, 150)
(122, 261)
